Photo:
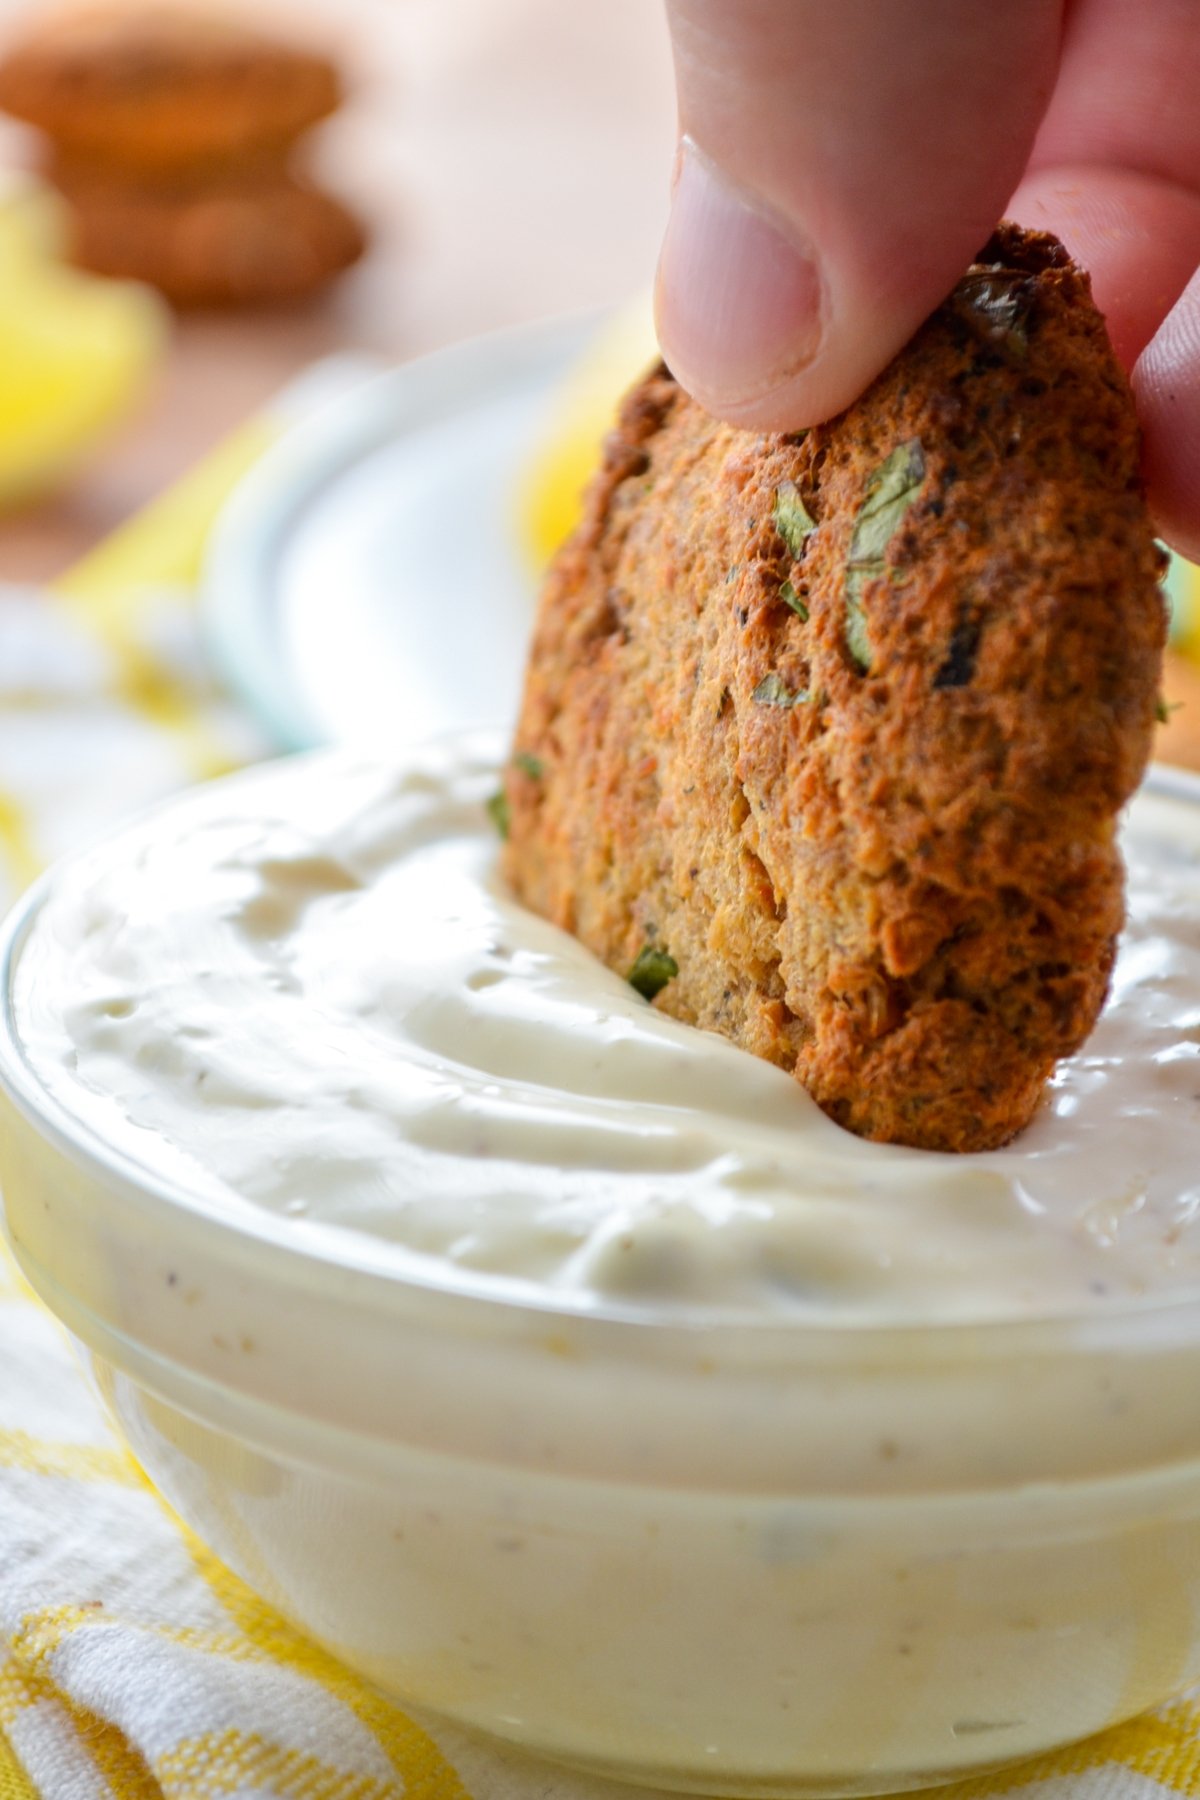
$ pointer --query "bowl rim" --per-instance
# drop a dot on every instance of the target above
(380, 1273)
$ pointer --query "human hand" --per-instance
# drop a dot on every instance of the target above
(842, 163)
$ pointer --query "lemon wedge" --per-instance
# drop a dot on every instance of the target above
(77, 351)
(1183, 592)
(586, 408)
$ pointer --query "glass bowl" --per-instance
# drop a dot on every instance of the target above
(754, 1558)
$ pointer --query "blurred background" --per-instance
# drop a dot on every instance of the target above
(205, 553)
(509, 159)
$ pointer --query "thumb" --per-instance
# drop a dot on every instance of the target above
(840, 165)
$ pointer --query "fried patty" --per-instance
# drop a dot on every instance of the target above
(266, 237)
(825, 735)
(157, 86)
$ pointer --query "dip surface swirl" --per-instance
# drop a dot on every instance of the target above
(306, 991)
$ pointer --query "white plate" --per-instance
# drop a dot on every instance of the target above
(365, 583)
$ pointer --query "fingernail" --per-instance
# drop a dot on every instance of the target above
(738, 302)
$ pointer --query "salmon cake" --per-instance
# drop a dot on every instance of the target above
(155, 86)
(825, 735)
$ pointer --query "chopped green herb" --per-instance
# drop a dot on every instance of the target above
(858, 638)
(790, 597)
(732, 573)
(1165, 708)
(529, 764)
(652, 971)
(890, 492)
(997, 300)
(773, 690)
(497, 809)
(793, 521)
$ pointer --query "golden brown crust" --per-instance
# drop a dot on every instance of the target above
(154, 87)
(878, 840)
(266, 237)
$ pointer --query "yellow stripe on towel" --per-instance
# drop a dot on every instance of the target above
(416, 1758)
(16, 844)
(110, 591)
(76, 1462)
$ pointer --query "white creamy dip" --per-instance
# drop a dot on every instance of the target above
(306, 990)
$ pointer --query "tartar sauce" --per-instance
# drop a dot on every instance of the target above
(306, 990)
